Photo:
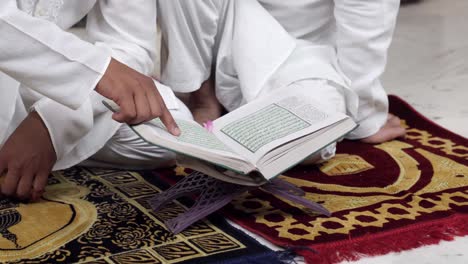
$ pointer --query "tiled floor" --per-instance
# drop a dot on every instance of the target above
(428, 61)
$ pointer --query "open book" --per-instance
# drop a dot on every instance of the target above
(254, 143)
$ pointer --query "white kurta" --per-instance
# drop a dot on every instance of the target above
(344, 42)
(38, 57)
(32, 44)
(252, 53)
(361, 32)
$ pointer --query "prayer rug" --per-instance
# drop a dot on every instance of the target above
(384, 198)
(101, 216)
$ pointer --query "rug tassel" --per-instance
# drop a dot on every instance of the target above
(397, 241)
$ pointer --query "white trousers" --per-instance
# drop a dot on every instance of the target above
(202, 34)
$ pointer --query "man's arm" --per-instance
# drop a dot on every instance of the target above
(364, 33)
(66, 69)
(124, 29)
(54, 63)
(128, 30)
(65, 126)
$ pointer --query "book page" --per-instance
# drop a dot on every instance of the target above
(191, 133)
(194, 141)
(194, 134)
(259, 129)
(288, 155)
(265, 124)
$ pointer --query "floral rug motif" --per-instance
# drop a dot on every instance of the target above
(101, 216)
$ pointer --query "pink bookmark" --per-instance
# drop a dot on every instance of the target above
(209, 126)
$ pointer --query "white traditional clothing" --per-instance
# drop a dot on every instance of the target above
(361, 32)
(252, 53)
(342, 41)
(39, 58)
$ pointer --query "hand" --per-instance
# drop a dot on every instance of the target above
(27, 159)
(136, 95)
(391, 130)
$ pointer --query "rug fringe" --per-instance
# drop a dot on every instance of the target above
(393, 241)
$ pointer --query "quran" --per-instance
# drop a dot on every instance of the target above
(254, 143)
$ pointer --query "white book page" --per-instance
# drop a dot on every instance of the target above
(194, 141)
(283, 158)
(255, 129)
(193, 136)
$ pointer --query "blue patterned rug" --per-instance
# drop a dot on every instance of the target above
(101, 216)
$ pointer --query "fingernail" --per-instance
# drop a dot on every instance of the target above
(176, 131)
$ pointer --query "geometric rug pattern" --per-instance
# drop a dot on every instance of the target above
(102, 216)
(384, 198)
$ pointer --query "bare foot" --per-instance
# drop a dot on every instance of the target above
(391, 130)
(204, 104)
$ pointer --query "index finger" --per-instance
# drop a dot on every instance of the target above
(168, 120)
(156, 103)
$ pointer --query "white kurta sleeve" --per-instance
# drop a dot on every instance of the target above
(127, 29)
(364, 33)
(66, 126)
(54, 63)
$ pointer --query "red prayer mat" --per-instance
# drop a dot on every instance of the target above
(384, 198)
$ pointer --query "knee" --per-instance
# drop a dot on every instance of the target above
(126, 150)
